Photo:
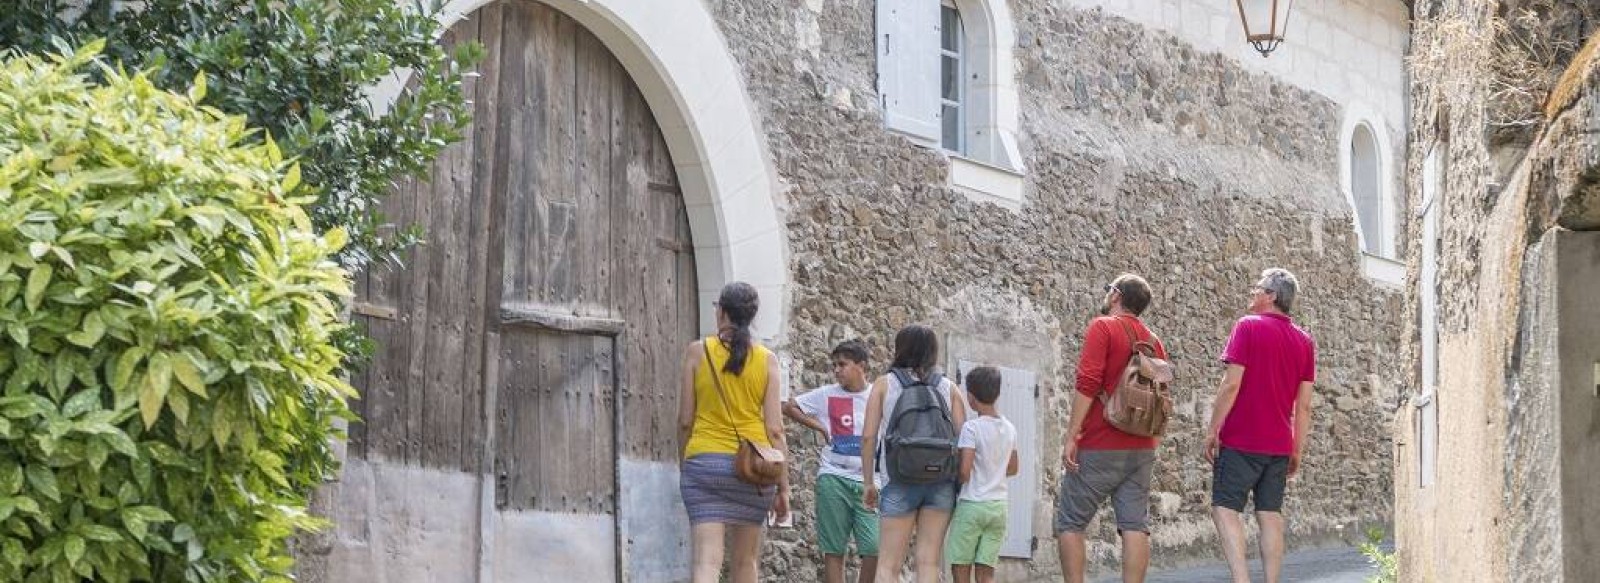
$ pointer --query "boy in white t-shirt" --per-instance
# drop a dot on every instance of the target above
(838, 412)
(988, 446)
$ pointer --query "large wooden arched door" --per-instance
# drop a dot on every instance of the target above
(532, 342)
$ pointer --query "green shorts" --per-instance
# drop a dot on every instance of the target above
(840, 514)
(976, 531)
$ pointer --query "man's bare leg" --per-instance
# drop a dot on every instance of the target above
(1135, 555)
(1230, 532)
(1073, 556)
(1271, 544)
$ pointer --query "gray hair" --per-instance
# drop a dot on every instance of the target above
(1282, 284)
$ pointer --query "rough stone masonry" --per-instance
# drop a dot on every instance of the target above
(1142, 155)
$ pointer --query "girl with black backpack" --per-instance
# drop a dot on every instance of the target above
(913, 421)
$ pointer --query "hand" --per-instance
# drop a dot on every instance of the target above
(1212, 447)
(780, 506)
(1294, 463)
(869, 496)
(823, 433)
(1069, 455)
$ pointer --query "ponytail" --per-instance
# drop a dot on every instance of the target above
(738, 344)
(739, 303)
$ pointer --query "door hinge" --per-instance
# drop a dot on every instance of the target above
(1036, 390)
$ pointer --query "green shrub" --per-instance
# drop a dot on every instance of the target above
(1385, 563)
(168, 378)
(300, 70)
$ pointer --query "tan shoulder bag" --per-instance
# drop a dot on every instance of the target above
(754, 463)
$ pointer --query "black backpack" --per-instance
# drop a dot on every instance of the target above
(919, 443)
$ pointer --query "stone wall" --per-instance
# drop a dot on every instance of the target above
(1142, 154)
(1518, 165)
(1351, 51)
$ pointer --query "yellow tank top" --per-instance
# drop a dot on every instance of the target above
(713, 429)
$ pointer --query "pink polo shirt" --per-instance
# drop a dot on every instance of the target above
(1277, 356)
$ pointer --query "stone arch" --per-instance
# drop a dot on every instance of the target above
(675, 54)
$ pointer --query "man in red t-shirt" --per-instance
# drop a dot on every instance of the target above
(1102, 461)
(1260, 421)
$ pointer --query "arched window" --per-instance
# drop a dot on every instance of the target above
(1367, 192)
(1367, 181)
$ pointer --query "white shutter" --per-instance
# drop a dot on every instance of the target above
(1016, 404)
(908, 66)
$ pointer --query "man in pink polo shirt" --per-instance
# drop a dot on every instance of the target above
(1260, 421)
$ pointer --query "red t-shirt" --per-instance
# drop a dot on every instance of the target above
(1277, 356)
(1106, 350)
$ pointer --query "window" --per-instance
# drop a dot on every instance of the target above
(1367, 181)
(946, 79)
(1366, 187)
(952, 79)
(1428, 297)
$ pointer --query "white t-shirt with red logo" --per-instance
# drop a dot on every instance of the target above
(843, 414)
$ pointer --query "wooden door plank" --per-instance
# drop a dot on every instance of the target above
(441, 390)
(521, 119)
(596, 80)
(414, 322)
(629, 181)
(385, 397)
(486, 101)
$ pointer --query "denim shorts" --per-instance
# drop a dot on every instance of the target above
(898, 499)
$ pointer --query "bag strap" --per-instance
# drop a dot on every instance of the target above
(904, 378)
(716, 379)
(1133, 350)
(1133, 337)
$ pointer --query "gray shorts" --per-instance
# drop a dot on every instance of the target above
(1120, 474)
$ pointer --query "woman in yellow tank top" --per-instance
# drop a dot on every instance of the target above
(710, 424)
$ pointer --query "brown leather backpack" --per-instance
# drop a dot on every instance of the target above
(1142, 402)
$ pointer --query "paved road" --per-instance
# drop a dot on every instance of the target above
(1331, 565)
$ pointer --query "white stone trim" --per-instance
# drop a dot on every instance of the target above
(1386, 272)
(985, 183)
(1356, 116)
(676, 55)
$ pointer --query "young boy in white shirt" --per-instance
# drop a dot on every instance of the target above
(838, 412)
(988, 447)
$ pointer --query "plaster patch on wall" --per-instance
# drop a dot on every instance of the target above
(399, 524)
(654, 521)
(553, 546)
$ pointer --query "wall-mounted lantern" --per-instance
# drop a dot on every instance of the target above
(1264, 22)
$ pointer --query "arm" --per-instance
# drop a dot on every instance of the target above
(958, 406)
(1219, 411)
(1090, 381)
(1069, 443)
(1014, 466)
(968, 456)
(792, 410)
(1302, 425)
(774, 421)
(869, 444)
(686, 404)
